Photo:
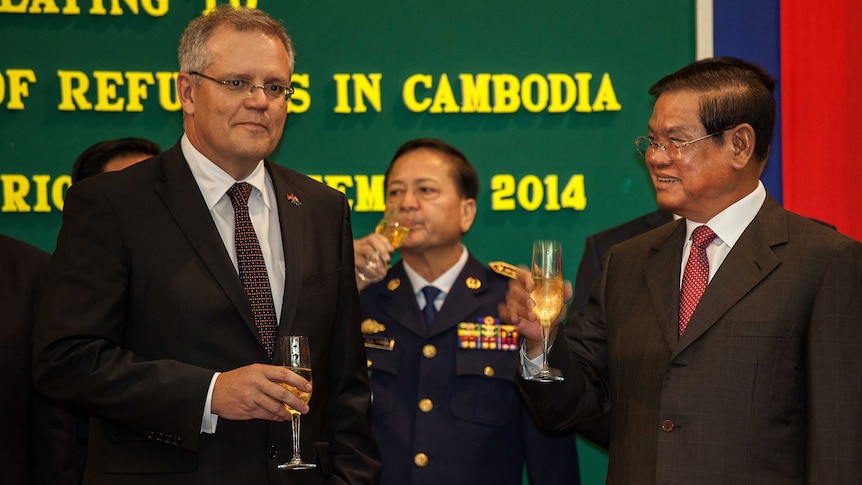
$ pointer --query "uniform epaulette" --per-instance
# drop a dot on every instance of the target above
(504, 268)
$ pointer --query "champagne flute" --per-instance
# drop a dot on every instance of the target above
(547, 269)
(394, 231)
(391, 228)
(293, 353)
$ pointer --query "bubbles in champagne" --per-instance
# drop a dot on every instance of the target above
(548, 295)
(394, 232)
(305, 396)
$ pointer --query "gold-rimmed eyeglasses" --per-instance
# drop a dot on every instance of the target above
(645, 144)
(271, 90)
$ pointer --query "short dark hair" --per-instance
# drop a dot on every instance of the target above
(465, 176)
(733, 91)
(92, 161)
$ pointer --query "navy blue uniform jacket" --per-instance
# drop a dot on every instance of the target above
(442, 414)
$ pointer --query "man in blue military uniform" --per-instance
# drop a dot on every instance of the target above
(445, 405)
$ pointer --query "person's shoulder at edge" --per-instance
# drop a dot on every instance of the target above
(17, 248)
(633, 227)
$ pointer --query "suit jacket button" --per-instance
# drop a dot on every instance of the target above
(421, 460)
(489, 371)
(667, 425)
(426, 405)
(273, 451)
(429, 351)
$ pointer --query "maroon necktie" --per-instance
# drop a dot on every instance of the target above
(696, 275)
(252, 268)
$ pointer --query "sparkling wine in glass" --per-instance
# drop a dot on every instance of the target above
(293, 352)
(394, 231)
(390, 228)
(547, 270)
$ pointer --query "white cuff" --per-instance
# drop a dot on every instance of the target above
(209, 420)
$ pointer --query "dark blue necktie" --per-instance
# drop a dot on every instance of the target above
(430, 311)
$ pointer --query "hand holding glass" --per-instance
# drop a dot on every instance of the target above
(394, 231)
(293, 352)
(547, 270)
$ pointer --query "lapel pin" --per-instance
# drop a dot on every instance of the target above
(294, 200)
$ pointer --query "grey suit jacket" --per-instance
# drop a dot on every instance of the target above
(143, 304)
(764, 387)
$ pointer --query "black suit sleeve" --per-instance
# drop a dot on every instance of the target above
(589, 270)
(354, 451)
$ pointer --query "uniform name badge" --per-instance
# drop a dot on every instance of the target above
(487, 333)
(372, 341)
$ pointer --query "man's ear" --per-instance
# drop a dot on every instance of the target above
(742, 139)
(468, 214)
(185, 92)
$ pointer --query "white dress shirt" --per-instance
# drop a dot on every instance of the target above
(727, 225)
(214, 183)
(443, 282)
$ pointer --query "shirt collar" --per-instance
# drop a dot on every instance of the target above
(445, 281)
(730, 223)
(215, 182)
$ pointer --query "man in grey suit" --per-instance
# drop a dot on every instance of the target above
(159, 320)
(761, 383)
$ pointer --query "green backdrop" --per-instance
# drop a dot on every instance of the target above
(545, 98)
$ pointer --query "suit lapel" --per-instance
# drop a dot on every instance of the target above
(182, 197)
(747, 264)
(291, 219)
(661, 271)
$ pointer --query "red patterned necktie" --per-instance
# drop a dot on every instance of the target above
(252, 268)
(696, 275)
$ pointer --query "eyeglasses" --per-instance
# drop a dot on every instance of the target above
(645, 144)
(272, 91)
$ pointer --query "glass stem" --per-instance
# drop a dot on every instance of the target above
(546, 330)
(294, 423)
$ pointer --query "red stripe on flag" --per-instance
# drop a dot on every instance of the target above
(821, 89)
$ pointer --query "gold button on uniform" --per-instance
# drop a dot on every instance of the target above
(489, 371)
(429, 351)
(368, 363)
(667, 425)
(426, 405)
(421, 460)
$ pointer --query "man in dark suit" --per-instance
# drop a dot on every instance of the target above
(596, 248)
(446, 408)
(758, 379)
(162, 331)
(38, 434)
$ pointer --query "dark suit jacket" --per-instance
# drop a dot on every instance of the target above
(596, 249)
(143, 304)
(764, 386)
(477, 430)
(38, 435)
